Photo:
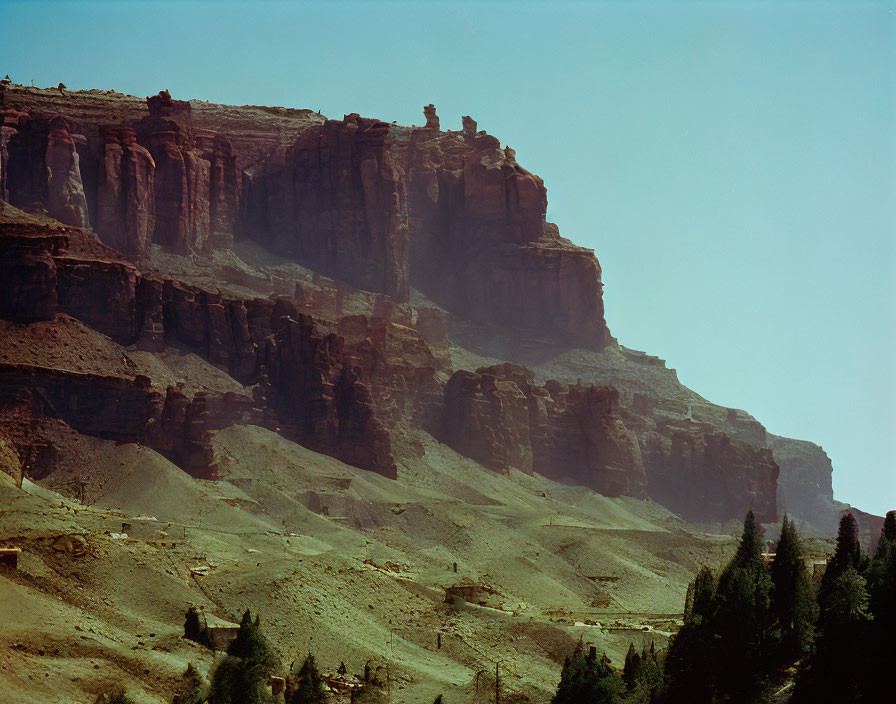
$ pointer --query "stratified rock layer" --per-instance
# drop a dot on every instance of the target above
(382, 207)
(337, 364)
(499, 417)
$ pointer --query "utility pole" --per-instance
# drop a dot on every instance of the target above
(497, 684)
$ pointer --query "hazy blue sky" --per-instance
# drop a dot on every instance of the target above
(733, 164)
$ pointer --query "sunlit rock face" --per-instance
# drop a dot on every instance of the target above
(341, 358)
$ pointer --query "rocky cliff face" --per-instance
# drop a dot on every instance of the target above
(499, 417)
(409, 233)
(381, 207)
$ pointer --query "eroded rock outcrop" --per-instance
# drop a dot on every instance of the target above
(319, 399)
(480, 244)
(499, 417)
(337, 204)
(43, 168)
(377, 207)
(381, 207)
(125, 213)
(29, 289)
(195, 179)
(707, 476)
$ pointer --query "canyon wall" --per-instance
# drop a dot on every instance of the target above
(340, 360)
(382, 207)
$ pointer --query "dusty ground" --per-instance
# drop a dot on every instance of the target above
(364, 582)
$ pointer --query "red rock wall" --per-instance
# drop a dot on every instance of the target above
(157, 179)
(481, 247)
(43, 169)
(125, 195)
(379, 206)
(337, 204)
(707, 476)
(29, 288)
(499, 417)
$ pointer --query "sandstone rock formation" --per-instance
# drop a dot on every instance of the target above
(499, 417)
(125, 212)
(381, 207)
(709, 476)
(44, 168)
(409, 234)
(338, 205)
(29, 292)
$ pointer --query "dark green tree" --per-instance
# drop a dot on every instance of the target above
(792, 601)
(632, 664)
(741, 620)
(847, 553)
(881, 577)
(704, 596)
(839, 669)
(587, 679)
(690, 663)
(250, 644)
(120, 697)
(308, 687)
(242, 675)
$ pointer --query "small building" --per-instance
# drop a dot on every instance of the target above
(470, 592)
(9, 556)
(208, 629)
(818, 570)
(220, 633)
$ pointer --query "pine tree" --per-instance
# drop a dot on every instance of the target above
(882, 600)
(703, 603)
(689, 670)
(250, 644)
(882, 576)
(628, 671)
(689, 602)
(587, 680)
(839, 669)
(749, 550)
(847, 553)
(792, 603)
(308, 687)
(741, 620)
(120, 697)
(240, 678)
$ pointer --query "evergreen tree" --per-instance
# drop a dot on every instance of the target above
(741, 620)
(703, 604)
(689, 602)
(882, 576)
(308, 687)
(690, 663)
(792, 603)
(632, 661)
(192, 688)
(241, 676)
(847, 553)
(120, 697)
(838, 671)
(250, 644)
(889, 530)
(587, 680)
(749, 550)
(882, 600)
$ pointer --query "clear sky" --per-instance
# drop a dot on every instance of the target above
(733, 164)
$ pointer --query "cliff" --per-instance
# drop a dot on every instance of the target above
(347, 279)
(380, 207)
